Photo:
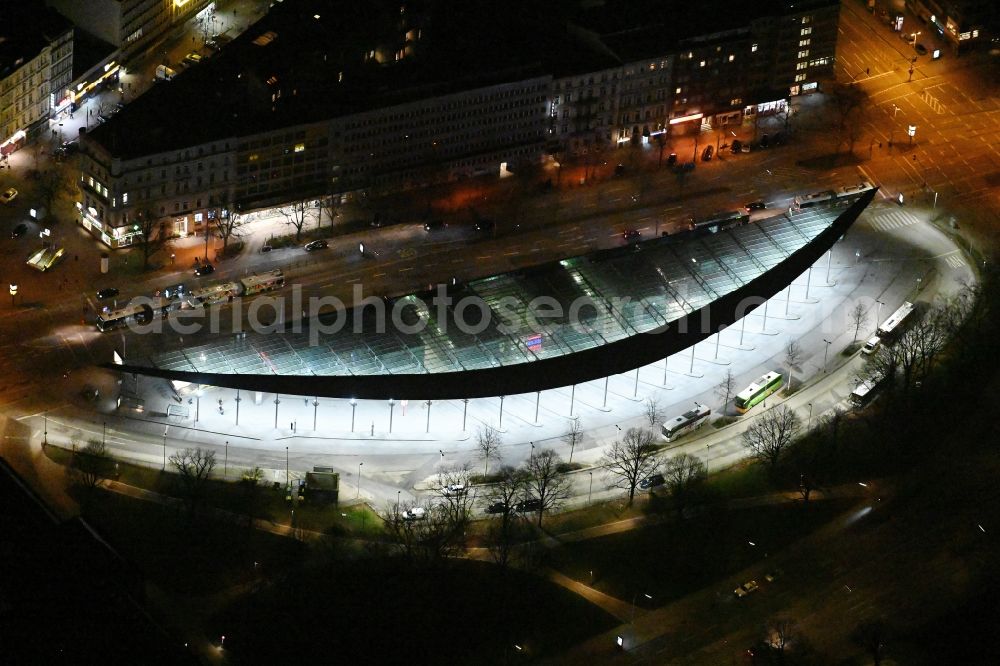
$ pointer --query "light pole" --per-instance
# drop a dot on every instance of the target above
(878, 311)
(277, 402)
(392, 405)
(354, 406)
(165, 428)
(287, 476)
(104, 433)
(359, 479)
(809, 420)
(826, 350)
(465, 411)
(225, 462)
(428, 427)
(45, 433)
(315, 410)
(590, 493)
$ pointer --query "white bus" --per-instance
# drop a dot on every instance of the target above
(756, 392)
(895, 320)
(865, 392)
(850, 190)
(218, 293)
(138, 313)
(808, 200)
(256, 284)
(687, 422)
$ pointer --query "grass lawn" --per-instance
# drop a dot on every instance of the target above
(201, 558)
(668, 561)
(384, 612)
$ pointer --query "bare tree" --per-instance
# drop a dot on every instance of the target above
(329, 206)
(682, 473)
(453, 489)
(793, 356)
(653, 412)
(91, 464)
(725, 390)
(631, 459)
(769, 435)
(778, 632)
(229, 226)
(507, 526)
(573, 436)
(488, 442)
(297, 215)
(152, 235)
(545, 482)
(847, 103)
(859, 317)
(50, 184)
(194, 467)
(426, 536)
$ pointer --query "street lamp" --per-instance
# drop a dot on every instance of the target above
(911, 131)
(826, 351)
(878, 311)
(359, 479)
(590, 492)
(13, 293)
(809, 420)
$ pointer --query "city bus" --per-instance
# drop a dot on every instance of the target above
(895, 320)
(218, 293)
(808, 200)
(756, 392)
(134, 313)
(721, 221)
(865, 392)
(256, 284)
(851, 190)
(687, 422)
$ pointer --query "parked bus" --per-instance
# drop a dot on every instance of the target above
(256, 284)
(851, 190)
(687, 422)
(895, 320)
(219, 293)
(809, 200)
(756, 392)
(721, 221)
(134, 313)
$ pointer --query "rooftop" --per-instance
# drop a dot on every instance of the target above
(27, 28)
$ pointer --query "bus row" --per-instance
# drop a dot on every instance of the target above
(888, 328)
(160, 307)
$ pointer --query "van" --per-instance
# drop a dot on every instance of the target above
(871, 345)
(165, 73)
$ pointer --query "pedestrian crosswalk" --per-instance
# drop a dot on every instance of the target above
(932, 102)
(895, 219)
(955, 260)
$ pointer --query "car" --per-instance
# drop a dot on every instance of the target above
(754, 205)
(316, 245)
(454, 489)
(416, 513)
(497, 507)
(192, 58)
(70, 147)
(90, 393)
(620, 170)
(485, 226)
(920, 49)
(204, 269)
(746, 588)
(736, 147)
(8, 195)
(631, 235)
(433, 225)
(672, 159)
(652, 481)
(106, 293)
(706, 155)
(765, 141)
(19, 230)
(530, 504)
(213, 45)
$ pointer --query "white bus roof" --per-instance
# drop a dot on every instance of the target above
(263, 278)
(697, 411)
(761, 382)
(214, 289)
(897, 316)
(863, 389)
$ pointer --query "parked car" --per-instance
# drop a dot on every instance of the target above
(106, 293)
(455, 489)
(416, 513)
(433, 225)
(19, 230)
(8, 195)
(485, 226)
(920, 49)
(496, 507)
(672, 159)
(706, 155)
(70, 147)
(746, 588)
(213, 45)
(316, 245)
(755, 205)
(652, 482)
(736, 146)
(631, 235)
(204, 269)
(620, 170)
(765, 141)
(531, 504)
(192, 58)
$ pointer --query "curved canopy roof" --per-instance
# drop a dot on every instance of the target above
(601, 314)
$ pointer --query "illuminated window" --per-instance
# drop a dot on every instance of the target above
(801, 65)
(804, 42)
(652, 66)
(731, 57)
(800, 77)
(300, 147)
(702, 63)
(677, 91)
(125, 198)
(804, 54)
(253, 158)
(753, 48)
(806, 19)
(806, 31)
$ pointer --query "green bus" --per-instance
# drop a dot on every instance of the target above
(757, 391)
